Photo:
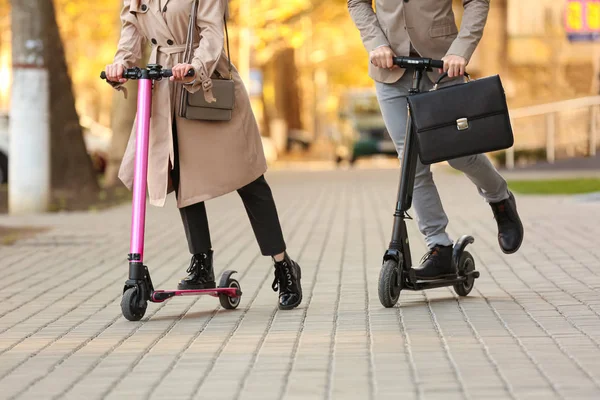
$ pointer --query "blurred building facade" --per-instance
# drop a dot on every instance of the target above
(300, 56)
(527, 44)
(524, 41)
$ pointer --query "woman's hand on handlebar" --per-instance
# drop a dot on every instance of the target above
(179, 73)
(382, 57)
(454, 65)
(114, 73)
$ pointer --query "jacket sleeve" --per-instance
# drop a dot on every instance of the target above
(471, 29)
(129, 50)
(365, 19)
(210, 21)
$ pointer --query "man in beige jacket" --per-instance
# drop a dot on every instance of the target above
(426, 28)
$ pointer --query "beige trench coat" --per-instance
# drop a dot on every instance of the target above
(215, 158)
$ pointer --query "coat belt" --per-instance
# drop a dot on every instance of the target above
(170, 50)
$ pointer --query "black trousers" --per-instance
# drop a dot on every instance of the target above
(260, 207)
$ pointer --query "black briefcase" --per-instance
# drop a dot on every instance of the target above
(461, 120)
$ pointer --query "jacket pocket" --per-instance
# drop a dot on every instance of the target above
(444, 27)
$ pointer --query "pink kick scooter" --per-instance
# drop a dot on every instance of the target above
(138, 288)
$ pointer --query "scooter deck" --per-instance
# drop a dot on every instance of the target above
(158, 296)
(438, 283)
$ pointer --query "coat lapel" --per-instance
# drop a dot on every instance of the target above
(157, 13)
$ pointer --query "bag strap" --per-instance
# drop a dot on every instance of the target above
(228, 51)
(190, 37)
(445, 75)
(188, 40)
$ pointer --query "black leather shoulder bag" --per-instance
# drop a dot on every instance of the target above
(194, 106)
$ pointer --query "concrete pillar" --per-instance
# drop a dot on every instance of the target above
(29, 151)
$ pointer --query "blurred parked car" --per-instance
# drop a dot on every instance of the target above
(298, 138)
(97, 141)
(360, 130)
(96, 137)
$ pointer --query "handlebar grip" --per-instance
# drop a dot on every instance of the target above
(127, 74)
(437, 64)
(166, 73)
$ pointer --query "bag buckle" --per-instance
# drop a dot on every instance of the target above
(462, 124)
(207, 84)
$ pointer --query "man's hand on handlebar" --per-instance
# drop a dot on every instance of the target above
(114, 73)
(454, 65)
(382, 57)
(180, 72)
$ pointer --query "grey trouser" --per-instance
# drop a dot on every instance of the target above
(431, 218)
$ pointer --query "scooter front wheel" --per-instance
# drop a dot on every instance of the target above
(132, 307)
(390, 281)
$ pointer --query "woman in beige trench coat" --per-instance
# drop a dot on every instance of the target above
(200, 160)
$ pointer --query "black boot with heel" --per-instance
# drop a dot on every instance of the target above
(287, 281)
(201, 274)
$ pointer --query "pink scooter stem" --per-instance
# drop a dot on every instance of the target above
(138, 219)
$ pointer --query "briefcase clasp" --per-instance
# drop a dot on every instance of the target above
(462, 124)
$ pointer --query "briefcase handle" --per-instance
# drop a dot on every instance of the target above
(445, 75)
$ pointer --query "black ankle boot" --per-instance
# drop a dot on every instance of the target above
(287, 280)
(201, 274)
(510, 228)
(436, 264)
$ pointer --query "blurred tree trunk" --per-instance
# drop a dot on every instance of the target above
(266, 117)
(287, 97)
(122, 119)
(71, 166)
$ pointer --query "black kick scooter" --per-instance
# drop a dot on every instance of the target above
(396, 272)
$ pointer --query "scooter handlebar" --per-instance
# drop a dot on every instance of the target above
(428, 63)
(137, 73)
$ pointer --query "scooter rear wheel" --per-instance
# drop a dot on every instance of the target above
(389, 289)
(230, 303)
(130, 305)
(465, 268)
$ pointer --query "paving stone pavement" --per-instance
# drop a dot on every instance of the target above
(529, 330)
